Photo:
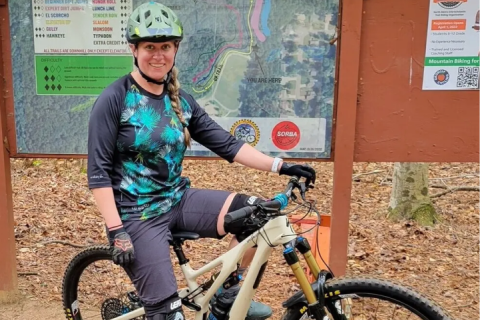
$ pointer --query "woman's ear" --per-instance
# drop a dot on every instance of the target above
(176, 44)
(133, 49)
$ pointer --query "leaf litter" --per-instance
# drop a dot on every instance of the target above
(53, 206)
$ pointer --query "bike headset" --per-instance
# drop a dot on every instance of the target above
(154, 22)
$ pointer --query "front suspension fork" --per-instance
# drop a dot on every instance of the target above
(316, 302)
(302, 245)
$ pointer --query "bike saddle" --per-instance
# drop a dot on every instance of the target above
(184, 235)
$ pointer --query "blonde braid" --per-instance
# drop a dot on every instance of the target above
(173, 93)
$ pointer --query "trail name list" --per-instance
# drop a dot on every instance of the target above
(81, 26)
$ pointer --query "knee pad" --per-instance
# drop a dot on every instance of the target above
(242, 200)
(168, 309)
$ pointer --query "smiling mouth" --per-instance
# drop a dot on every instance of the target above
(157, 65)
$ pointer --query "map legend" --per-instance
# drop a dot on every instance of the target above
(78, 75)
(83, 26)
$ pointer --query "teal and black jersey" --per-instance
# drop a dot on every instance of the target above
(136, 146)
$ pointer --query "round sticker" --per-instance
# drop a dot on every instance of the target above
(449, 4)
(441, 77)
(285, 135)
(246, 130)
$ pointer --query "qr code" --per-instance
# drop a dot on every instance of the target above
(467, 77)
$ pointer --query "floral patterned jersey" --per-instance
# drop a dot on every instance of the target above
(136, 146)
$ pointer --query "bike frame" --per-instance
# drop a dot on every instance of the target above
(277, 231)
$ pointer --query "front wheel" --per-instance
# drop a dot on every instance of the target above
(364, 298)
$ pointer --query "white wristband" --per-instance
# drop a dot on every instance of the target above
(276, 162)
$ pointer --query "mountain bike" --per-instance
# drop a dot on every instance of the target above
(263, 226)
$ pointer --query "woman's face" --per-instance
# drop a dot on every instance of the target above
(155, 59)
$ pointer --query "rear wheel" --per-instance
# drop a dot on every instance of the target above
(95, 288)
(364, 298)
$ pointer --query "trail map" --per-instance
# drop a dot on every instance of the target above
(263, 69)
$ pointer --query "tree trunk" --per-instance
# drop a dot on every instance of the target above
(409, 198)
(83, 165)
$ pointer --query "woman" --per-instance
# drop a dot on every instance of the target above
(139, 129)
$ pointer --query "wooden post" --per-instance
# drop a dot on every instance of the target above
(345, 132)
(8, 271)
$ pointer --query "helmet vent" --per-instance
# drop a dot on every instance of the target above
(137, 18)
(165, 14)
(147, 14)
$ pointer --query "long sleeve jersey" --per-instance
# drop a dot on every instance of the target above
(136, 146)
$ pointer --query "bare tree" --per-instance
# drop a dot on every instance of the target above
(409, 198)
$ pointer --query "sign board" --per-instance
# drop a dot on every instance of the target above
(452, 52)
(263, 69)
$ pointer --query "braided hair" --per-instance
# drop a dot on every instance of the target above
(173, 88)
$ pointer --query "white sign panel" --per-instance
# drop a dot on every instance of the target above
(80, 26)
(452, 51)
(276, 134)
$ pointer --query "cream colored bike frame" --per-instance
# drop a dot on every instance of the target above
(275, 232)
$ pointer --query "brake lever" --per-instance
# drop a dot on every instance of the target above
(293, 196)
(303, 189)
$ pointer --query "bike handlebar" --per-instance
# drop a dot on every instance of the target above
(278, 202)
(239, 214)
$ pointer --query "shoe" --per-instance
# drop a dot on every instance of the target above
(257, 310)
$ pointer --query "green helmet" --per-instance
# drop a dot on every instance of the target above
(153, 22)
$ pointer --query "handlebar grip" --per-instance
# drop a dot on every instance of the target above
(239, 214)
(271, 204)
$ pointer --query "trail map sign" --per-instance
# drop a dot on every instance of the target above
(263, 69)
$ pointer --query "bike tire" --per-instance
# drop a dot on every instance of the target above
(385, 290)
(72, 276)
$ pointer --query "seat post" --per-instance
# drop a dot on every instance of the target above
(177, 247)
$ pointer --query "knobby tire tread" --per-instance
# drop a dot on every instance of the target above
(74, 270)
(382, 287)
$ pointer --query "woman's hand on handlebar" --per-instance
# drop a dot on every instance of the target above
(299, 170)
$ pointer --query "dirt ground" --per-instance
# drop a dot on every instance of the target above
(52, 203)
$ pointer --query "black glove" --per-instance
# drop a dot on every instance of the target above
(121, 247)
(299, 170)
